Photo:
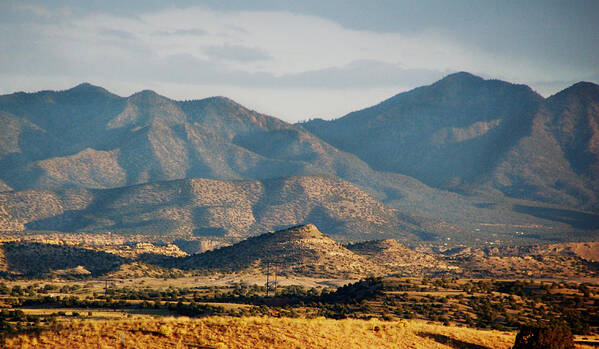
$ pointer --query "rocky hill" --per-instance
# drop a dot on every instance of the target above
(400, 259)
(565, 260)
(300, 250)
(467, 134)
(208, 208)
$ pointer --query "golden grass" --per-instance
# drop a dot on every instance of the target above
(256, 332)
(261, 332)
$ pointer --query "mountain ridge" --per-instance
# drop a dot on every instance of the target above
(508, 163)
(464, 133)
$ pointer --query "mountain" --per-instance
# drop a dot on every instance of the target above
(207, 208)
(467, 134)
(88, 137)
(463, 158)
(575, 126)
(300, 250)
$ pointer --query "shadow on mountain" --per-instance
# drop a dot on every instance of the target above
(321, 217)
(70, 220)
(485, 205)
(425, 236)
(34, 258)
(577, 219)
(210, 231)
(451, 342)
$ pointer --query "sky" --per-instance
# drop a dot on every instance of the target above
(295, 60)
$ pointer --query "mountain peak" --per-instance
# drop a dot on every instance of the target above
(86, 87)
(222, 99)
(144, 94)
(83, 85)
(462, 75)
(585, 89)
(460, 78)
(298, 232)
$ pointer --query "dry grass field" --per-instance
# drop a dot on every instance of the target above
(259, 332)
(145, 331)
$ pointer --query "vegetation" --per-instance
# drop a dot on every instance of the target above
(550, 337)
(487, 304)
(428, 311)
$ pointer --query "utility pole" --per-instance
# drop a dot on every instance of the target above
(275, 286)
(267, 277)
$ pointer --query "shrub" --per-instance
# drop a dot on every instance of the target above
(551, 337)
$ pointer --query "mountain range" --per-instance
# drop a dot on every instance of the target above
(465, 134)
(463, 158)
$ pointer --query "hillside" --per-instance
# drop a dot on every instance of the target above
(568, 260)
(400, 259)
(37, 259)
(301, 250)
(467, 134)
(207, 208)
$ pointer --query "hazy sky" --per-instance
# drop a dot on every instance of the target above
(294, 59)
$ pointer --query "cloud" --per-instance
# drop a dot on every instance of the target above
(281, 54)
(236, 53)
(36, 10)
(119, 34)
(181, 32)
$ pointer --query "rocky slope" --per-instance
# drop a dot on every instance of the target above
(300, 250)
(208, 208)
(561, 260)
(400, 259)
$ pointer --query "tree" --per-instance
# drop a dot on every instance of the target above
(550, 337)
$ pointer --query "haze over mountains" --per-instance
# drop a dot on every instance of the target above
(456, 156)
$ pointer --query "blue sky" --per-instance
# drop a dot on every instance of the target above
(294, 59)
